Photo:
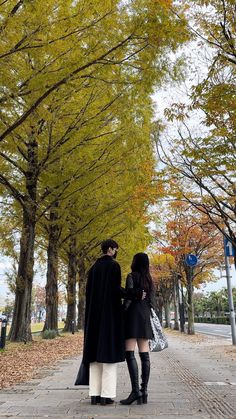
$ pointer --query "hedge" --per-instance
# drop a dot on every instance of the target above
(214, 320)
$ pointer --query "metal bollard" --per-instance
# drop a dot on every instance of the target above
(72, 327)
(3, 334)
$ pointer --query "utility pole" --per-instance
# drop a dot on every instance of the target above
(190, 261)
(229, 251)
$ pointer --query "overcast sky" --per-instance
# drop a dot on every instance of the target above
(221, 283)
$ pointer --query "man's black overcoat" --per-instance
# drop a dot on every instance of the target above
(104, 332)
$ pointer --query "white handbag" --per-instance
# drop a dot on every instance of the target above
(159, 341)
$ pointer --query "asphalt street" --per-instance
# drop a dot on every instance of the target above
(219, 330)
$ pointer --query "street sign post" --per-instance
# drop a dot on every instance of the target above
(229, 251)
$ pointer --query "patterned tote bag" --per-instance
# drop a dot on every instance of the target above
(159, 341)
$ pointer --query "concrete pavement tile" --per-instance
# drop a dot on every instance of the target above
(123, 411)
(180, 416)
(8, 397)
(9, 414)
(40, 416)
(60, 395)
(50, 410)
(145, 409)
(170, 409)
(185, 403)
(105, 415)
(183, 414)
(129, 417)
(100, 411)
(166, 398)
(16, 390)
(37, 410)
(30, 403)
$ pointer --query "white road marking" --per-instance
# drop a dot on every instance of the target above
(219, 383)
(215, 383)
(209, 333)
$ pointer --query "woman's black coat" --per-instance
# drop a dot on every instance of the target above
(104, 329)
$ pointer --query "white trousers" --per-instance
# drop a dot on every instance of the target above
(102, 379)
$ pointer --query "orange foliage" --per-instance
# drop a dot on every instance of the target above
(187, 232)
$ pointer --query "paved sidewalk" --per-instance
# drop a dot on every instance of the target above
(193, 378)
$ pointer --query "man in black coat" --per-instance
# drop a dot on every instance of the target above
(104, 332)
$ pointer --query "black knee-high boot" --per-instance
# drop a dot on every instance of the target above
(135, 394)
(145, 363)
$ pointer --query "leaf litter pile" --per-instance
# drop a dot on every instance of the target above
(20, 362)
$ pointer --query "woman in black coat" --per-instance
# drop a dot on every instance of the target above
(138, 327)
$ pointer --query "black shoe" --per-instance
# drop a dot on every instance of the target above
(95, 399)
(132, 398)
(106, 400)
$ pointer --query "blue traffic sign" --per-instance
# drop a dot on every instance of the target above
(229, 247)
(191, 260)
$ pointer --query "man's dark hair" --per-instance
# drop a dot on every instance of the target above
(108, 243)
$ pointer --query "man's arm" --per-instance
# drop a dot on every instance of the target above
(130, 293)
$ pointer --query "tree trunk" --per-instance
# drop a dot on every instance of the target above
(70, 323)
(51, 321)
(160, 307)
(21, 324)
(82, 287)
(176, 306)
(189, 275)
(181, 307)
(167, 313)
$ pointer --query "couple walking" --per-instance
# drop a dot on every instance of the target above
(112, 331)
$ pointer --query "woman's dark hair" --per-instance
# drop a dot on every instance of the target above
(140, 265)
(108, 243)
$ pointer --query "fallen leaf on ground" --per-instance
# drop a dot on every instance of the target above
(20, 362)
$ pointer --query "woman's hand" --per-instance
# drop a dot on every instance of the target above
(144, 295)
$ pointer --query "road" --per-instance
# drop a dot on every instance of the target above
(220, 330)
